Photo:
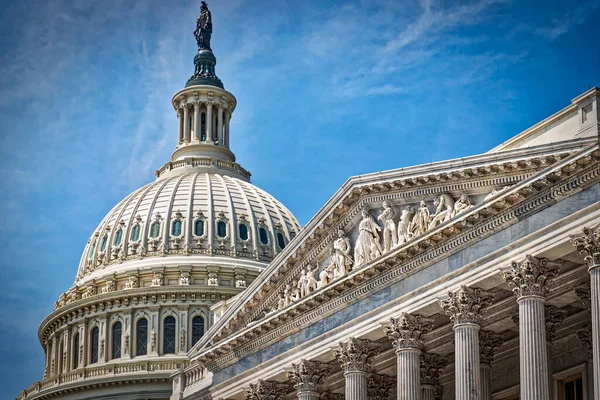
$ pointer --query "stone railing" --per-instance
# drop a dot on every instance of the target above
(102, 371)
(203, 162)
(193, 376)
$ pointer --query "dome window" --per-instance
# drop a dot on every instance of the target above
(169, 335)
(155, 230)
(280, 240)
(135, 233)
(199, 227)
(197, 329)
(104, 242)
(141, 333)
(116, 340)
(94, 347)
(92, 249)
(176, 228)
(221, 229)
(243, 232)
(263, 236)
(118, 237)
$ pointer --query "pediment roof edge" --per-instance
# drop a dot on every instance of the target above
(338, 204)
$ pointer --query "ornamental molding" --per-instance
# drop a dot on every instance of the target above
(266, 390)
(380, 387)
(489, 342)
(431, 368)
(584, 292)
(252, 329)
(554, 318)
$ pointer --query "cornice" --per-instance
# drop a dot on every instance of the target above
(538, 191)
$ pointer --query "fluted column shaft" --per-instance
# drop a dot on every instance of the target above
(209, 122)
(428, 392)
(467, 366)
(180, 125)
(220, 125)
(186, 124)
(594, 271)
(486, 381)
(196, 121)
(227, 120)
(356, 385)
(532, 346)
(409, 374)
(308, 396)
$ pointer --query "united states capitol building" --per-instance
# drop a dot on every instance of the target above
(470, 279)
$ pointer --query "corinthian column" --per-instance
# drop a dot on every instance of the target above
(432, 366)
(588, 245)
(380, 387)
(554, 317)
(308, 376)
(407, 333)
(530, 279)
(186, 124)
(465, 308)
(488, 344)
(266, 390)
(355, 356)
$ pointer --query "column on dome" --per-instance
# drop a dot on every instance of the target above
(489, 342)
(530, 279)
(308, 378)
(380, 387)
(227, 119)
(82, 345)
(180, 125)
(103, 344)
(48, 351)
(53, 362)
(588, 245)
(153, 324)
(186, 124)
(465, 308)
(266, 390)
(219, 135)
(184, 331)
(196, 121)
(407, 333)
(66, 357)
(432, 366)
(355, 356)
(209, 121)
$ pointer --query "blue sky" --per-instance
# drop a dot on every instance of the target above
(325, 89)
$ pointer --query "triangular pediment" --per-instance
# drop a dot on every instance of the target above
(338, 246)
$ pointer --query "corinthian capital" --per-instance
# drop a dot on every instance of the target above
(588, 245)
(380, 387)
(266, 390)
(585, 335)
(408, 331)
(554, 317)
(531, 276)
(584, 292)
(356, 354)
(489, 342)
(308, 376)
(432, 366)
(466, 305)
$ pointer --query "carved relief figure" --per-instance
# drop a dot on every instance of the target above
(390, 236)
(213, 279)
(367, 245)
(341, 257)
(462, 204)
(328, 273)
(420, 222)
(158, 279)
(184, 278)
(444, 210)
(203, 30)
(404, 225)
(302, 284)
(288, 295)
(311, 282)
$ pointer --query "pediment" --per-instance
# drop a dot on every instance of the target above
(477, 195)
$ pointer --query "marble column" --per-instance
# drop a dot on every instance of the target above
(209, 121)
(180, 125)
(227, 120)
(588, 245)
(465, 308)
(530, 279)
(380, 387)
(186, 124)
(489, 342)
(432, 366)
(407, 333)
(196, 121)
(308, 378)
(355, 356)
(266, 390)
(554, 317)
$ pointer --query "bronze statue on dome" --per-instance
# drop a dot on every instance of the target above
(203, 30)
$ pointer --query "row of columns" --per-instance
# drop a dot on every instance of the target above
(189, 123)
(418, 372)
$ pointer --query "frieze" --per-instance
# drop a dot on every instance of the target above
(399, 263)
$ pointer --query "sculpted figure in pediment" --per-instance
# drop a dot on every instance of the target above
(420, 221)
(341, 258)
(404, 225)
(444, 211)
(327, 274)
(367, 245)
(390, 235)
(462, 204)
(302, 283)
(311, 282)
